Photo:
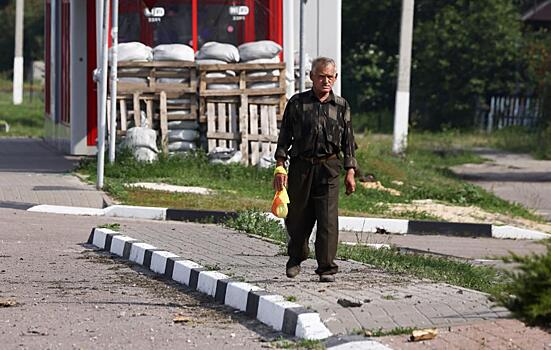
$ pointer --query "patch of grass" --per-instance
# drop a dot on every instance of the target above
(291, 298)
(113, 226)
(481, 278)
(528, 291)
(423, 171)
(282, 343)
(25, 120)
(382, 333)
(255, 222)
(458, 273)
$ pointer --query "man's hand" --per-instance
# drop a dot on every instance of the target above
(349, 181)
(280, 181)
(280, 176)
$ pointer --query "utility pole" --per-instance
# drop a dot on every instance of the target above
(114, 63)
(18, 57)
(401, 109)
(102, 84)
(302, 63)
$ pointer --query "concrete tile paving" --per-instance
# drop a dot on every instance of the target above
(389, 301)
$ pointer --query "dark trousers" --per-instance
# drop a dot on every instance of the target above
(314, 195)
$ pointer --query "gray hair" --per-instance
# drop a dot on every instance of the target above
(323, 62)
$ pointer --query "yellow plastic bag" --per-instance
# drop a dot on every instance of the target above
(279, 204)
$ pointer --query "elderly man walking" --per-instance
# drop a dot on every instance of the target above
(316, 136)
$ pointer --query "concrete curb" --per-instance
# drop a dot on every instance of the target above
(270, 309)
(354, 224)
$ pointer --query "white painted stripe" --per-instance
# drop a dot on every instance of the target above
(309, 326)
(117, 244)
(158, 261)
(361, 345)
(372, 224)
(271, 309)
(136, 212)
(60, 209)
(137, 252)
(511, 232)
(208, 280)
(100, 234)
(182, 271)
(237, 294)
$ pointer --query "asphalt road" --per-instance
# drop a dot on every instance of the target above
(70, 297)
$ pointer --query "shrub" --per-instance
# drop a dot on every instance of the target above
(528, 293)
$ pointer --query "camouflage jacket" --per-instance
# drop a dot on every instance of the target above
(312, 129)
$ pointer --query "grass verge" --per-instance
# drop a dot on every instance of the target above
(422, 174)
(25, 120)
(455, 272)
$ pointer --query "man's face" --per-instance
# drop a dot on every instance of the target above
(323, 78)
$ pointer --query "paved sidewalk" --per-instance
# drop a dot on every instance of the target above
(389, 301)
(31, 172)
(514, 177)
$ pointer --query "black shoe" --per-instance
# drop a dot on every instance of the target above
(293, 271)
(327, 278)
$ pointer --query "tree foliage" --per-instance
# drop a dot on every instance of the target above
(462, 51)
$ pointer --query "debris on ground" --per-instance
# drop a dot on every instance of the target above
(7, 302)
(182, 319)
(349, 303)
(379, 187)
(423, 334)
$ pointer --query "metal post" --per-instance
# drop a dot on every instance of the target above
(18, 58)
(401, 109)
(289, 46)
(114, 62)
(301, 54)
(103, 98)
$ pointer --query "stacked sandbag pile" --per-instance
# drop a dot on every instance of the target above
(182, 134)
(134, 52)
(263, 51)
(142, 142)
(214, 52)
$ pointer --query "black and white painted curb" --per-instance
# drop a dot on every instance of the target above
(270, 309)
(346, 223)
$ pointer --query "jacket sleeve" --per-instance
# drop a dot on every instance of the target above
(348, 143)
(285, 138)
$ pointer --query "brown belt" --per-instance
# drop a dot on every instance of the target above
(318, 160)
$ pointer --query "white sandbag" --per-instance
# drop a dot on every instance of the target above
(218, 51)
(178, 112)
(259, 49)
(224, 74)
(177, 101)
(263, 85)
(135, 80)
(267, 160)
(132, 51)
(183, 124)
(264, 60)
(140, 137)
(222, 86)
(144, 154)
(172, 80)
(209, 61)
(181, 146)
(142, 142)
(223, 155)
(183, 135)
(173, 52)
(263, 73)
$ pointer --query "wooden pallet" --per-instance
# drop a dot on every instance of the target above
(253, 132)
(152, 72)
